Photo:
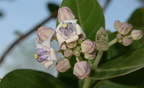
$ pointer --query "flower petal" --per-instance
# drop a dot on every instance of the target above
(53, 55)
(47, 41)
(60, 39)
(48, 63)
(80, 31)
(72, 21)
(72, 39)
(37, 44)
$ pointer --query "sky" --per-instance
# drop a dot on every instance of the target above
(23, 15)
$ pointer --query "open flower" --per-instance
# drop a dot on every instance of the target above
(44, 53)
(68, 31)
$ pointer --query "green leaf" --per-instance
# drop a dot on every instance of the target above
(30, 79)
(137, 18)
(122, 65)
(89, 15)
(132, 80)
(69, 78)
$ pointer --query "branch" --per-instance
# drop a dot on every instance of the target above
(54, 14)
(106, 4)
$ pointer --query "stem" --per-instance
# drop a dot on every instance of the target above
(97, 59)
(87, 83)
(77, 59)
(112, 42)
(58, 51)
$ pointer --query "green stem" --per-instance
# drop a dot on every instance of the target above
(87, 83)
(58, 51)
(112, 42)
(97, 60)
(77, 59)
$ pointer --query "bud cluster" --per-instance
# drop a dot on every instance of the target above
(72, 42)
(126, 35)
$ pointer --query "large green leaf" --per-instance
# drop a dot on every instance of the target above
(30, 79)
(137, 18)
(122, 65)
(69, 78)
(132, 80)
(89, 15)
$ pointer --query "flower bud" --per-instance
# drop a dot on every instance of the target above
(90, 56)
(81, 69)
(63, 65)
(88, 46)
(45, 32)
(72, 44)
(123, 28)
(68, 53)
(127, 41)
(102, 45)
(77, 53)
(119, 36)
(136, 34)
(65, 13)
(116, 24)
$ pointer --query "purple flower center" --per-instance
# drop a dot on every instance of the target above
(68, 29)
(43, 55)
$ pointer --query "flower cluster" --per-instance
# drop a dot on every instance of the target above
(125, 33)
(72, 42)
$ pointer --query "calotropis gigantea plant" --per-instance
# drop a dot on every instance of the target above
(92, 56)
(73, 41)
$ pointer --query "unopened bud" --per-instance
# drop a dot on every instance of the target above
(123, 28)
(117, 24)
(136, 34)
(119, 36)
(45, 32)
(65, 13)
(88, 46)
(90, 56)
(68, 53)
(127, 41)
(72, 44)
(77, 53)
(102, 45)
(81, 69)
(63, 65)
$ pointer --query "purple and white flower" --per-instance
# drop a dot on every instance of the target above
(68, 31)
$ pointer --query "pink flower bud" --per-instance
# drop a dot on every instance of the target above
(127, 41)
(123, 28)
(81, 69)
(65, 13)
(63, 65)
(116, 24)
(68, 53)
(88, 46)
(136, 34)
(90, 56)
(45, 32)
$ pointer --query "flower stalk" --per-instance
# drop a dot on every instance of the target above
(112, 42)
(97, 60)
(87, 83)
